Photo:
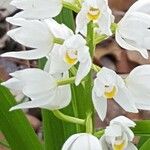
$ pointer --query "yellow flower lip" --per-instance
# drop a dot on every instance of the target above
(93, 14)
(110, 94)
(119, 146)
(69, 60)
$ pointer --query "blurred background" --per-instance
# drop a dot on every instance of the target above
(107, 54)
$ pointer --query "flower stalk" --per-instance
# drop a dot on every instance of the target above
(70, 6)
(67, 118)
(66, 81)
(58, 41)
(89, 123)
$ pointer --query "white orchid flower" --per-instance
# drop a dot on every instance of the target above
(133, 31)
(41, 87)
(109, 85)
(37, 34)
(97, 11)
(37, 9)
(73, 50)
(118, 135)
(138, 83)
(140, 6)
(82, 141)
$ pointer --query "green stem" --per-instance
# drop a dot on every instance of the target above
(70, 6)
(100, 38)
(96, 68)
(4, 144)
(89, 123)
(67, 118)
(66, 81)
(99, 133)
(90, 38)
(58, 41)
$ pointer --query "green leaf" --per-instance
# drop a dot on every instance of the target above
(146, 145)
(142, 128)
(66, 17)
(15, 126)
(142, 140)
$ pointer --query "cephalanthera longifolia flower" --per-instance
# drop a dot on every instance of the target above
(138, 83)
(118, 135)
(97, 11)
(41, 87)
(109, 85)
(72, 51)
(37, 34)
(37, 9)
(82, 141)
(133, 31)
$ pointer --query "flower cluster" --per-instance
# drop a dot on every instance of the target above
(117, 136)
(66, 50)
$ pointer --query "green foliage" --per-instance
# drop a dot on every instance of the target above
(14, 125)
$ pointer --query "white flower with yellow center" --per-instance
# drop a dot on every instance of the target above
(72, 51)
(41, 87)
(37, 9)
(97, 11)
(109, 85)
(82, 141)
(138, 83)
(118, 135)
(133, 31)
(36, 34)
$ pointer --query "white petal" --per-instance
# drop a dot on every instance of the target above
(137, 83)
(81, 21)
(13, 84)
(34, 75)
(100, 104)
(140, 6)
(103, 143)
(70, 141)
(131, 147)
(34, 33)
(78, 39)
(107, 76)
(29, 54)
(99, 87)
(83, 70)
(59, 30)
(123, 120)
(113, 130)
(57, 63)
(33, 104)
(86, 141)
(138, 72)
(105, 23)
(38, 9)
(62, 97)
(127, 46)
(125, 100)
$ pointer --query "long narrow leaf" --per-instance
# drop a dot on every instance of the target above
(14, 125)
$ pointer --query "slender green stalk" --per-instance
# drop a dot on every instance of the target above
(67, 118)
(72, 7)
(96, 68)
(99, 133)
(66, 81)
(100, 38)
(58, 41)
(89, 123)
(89, 80)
